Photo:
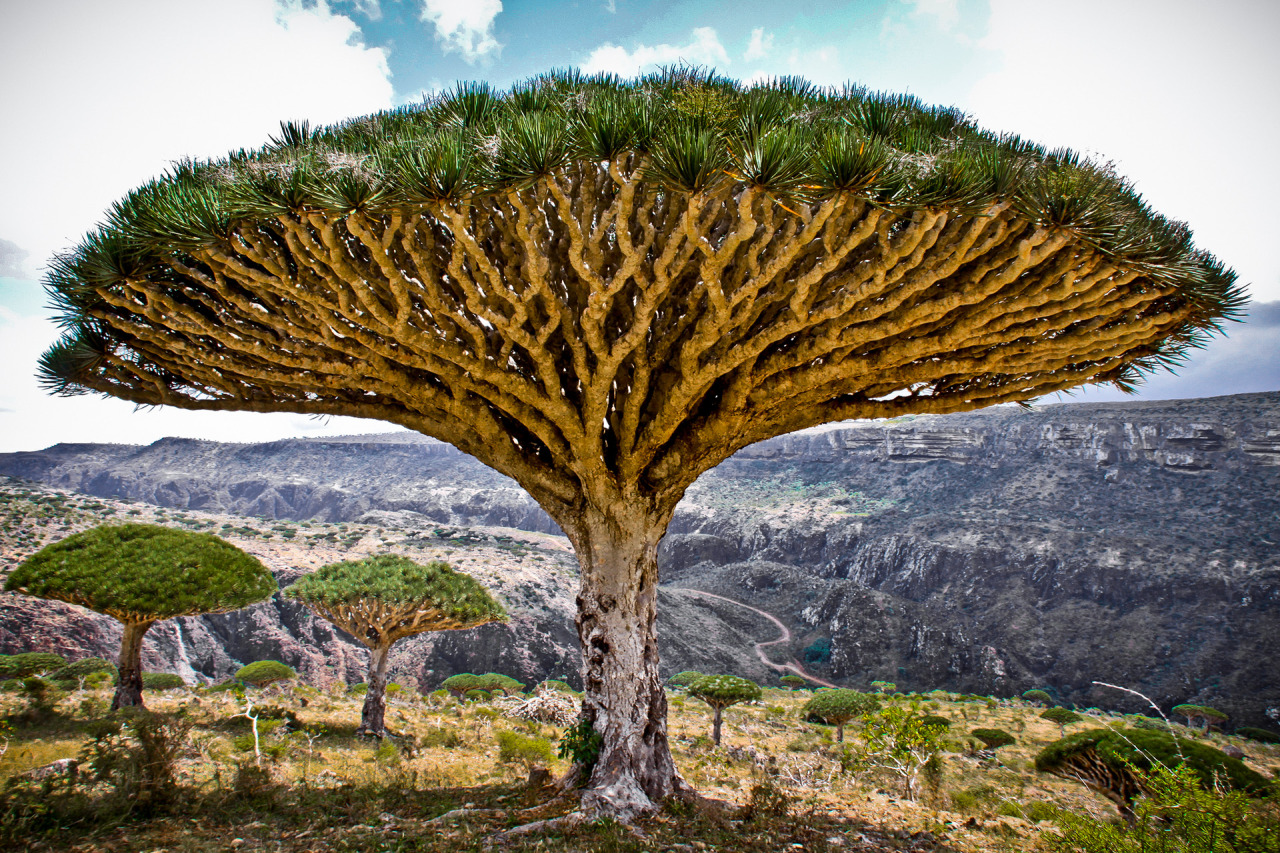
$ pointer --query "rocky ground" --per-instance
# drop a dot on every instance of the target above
(785, 783)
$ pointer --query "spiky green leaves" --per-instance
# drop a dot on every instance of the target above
(839, 705)
(1126, 750)
(453, 599)
(262, 673)
(143, 573)
(721, 691)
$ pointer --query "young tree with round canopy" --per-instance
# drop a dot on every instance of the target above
(141, 574)
(838, 706)
(385, 598)
(603, 288)
(720, 692)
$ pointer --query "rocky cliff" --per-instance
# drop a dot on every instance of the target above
(1134, 544)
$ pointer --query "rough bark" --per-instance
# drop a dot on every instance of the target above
(129, 688)
(623, 694)
(372, 716)
(715, 724)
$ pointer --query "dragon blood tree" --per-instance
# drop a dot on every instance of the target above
(140, 574)
(385, 598)
(602, 288)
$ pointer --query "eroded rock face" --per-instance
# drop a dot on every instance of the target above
(1135, 544)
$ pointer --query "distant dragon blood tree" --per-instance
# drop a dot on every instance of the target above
(602, 288)
(385, 598)
(141, 574)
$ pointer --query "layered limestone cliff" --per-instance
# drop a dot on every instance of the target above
(1134, 544)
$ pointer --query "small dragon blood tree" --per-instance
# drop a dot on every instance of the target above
(385, 598)
(1116, 763)
(720, 692)
(838, 706)
(602, 288)
(141, 574)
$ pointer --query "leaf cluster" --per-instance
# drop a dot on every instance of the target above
(684, 131)
(1123, 749)
(1061, 716)
(1202, 712)
(721, 691)
(143, 572)
(391, 579)
(840, 705)
(30, 663)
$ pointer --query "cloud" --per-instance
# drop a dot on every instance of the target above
(704, 48)
(1171, 90)
(12, 259)
(759, 46)
(946, 13)
(101, 97)
(464, 25)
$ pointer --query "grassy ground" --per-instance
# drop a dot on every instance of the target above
(322, 789)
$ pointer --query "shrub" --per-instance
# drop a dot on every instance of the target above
(1063, 717)
(30, 663)
(993, 738)
(263, 673)
(440, 736)
(884, 688)
(162, 681)
(580, 744)
(818, 652)
(72, 673)
(1260, 735)
(477, 695)
(526, 750)
(1179, 812)
(937, 720)
(837, 707)
(1038, 697)
(898, 740)
(558, 686)
(358, 689)
(795, 682)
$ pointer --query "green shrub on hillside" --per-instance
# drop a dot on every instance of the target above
(30, 663)
(162, 681)
(1260, 735)
(68, 677)
(265, 672)
(993, 738)
(1038, 697)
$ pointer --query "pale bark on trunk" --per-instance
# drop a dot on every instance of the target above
(623, 695)
(129, 687)
(715, 724)
(372, 717)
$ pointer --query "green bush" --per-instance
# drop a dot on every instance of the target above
(478, 695)
(496, 682)
(265, 672)
(162, 681)
(558, 686)
(682, 680)
(440, 736)
(526, 750)
(795, 682)
(993, 738)
(937, 720)
(73, 672)
(30, 663)
(1260, 735)
(1180, 812)
(358, 689)
(1038, 697)
(459, 684)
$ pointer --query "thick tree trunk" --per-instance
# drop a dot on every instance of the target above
(623, 694)
(375, 698)
(129, 688)
(715, 724)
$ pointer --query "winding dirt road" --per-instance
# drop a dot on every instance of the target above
(794, 666)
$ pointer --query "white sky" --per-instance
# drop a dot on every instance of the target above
(97, 97)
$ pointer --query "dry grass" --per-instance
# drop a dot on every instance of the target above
(331, 791)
